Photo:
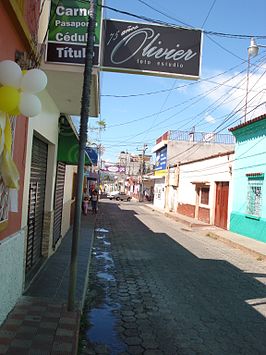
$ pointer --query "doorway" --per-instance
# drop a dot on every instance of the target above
(221, 204)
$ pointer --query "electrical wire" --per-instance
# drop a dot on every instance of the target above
(226, 94)
(198, 143)
(200, 96)
(225, 49)
(240, 157)
(214, 33)
(194, 146)
(210, 32)
(165, 14)
(208, 14)
(250, 100)
(179, 86)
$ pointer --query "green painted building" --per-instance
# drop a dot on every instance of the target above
(248, 215)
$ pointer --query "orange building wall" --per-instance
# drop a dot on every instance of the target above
(10, 41)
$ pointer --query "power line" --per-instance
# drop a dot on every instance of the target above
(198, 143)
(240, 157)
(224, 101)
(208, 14)
(225, 49)
(164, 14)
(198, 97)
(208, 79)
(214, 33)
(250, 100)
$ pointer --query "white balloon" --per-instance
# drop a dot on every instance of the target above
(29, 105)
(35, 80)
(10, 73)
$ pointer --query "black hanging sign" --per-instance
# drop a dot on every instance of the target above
(141, 48)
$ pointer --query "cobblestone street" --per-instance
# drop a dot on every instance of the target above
(155, 288)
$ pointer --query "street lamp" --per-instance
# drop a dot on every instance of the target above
(253, 51)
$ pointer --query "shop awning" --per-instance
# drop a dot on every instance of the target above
(68, 143)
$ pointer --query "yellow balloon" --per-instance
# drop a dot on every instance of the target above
(9, 171)
(8, 136)
(15, 112)
(9, 98)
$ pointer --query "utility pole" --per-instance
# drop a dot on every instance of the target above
(84, 114)
(145, 147)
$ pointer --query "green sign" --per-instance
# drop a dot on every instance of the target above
(68, 145)
(67, 35)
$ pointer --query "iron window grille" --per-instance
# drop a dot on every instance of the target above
(254, 196)
(204, 195)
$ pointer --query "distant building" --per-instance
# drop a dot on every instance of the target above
(175, 147)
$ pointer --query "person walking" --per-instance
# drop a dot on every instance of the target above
(94, 201)
(85, 201)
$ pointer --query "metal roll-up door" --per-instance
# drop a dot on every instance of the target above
(36, 203)
(58, 201)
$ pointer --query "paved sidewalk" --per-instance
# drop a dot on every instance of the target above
(40, 324)
(248, 245)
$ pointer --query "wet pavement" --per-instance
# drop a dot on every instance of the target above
(102, 336)
(156, 289)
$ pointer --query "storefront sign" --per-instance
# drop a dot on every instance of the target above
(142, 48)
(67, 36)
(161, 159)
(92, 153)
(114, 168)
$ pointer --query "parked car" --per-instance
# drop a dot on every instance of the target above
(111, 194)
(119, 196)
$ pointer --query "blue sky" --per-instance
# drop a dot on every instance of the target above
(220, 93)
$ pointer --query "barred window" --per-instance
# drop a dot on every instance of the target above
(204, 196)
(3, 201)
(254, 197)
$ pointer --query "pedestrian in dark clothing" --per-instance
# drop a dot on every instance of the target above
(94, 201)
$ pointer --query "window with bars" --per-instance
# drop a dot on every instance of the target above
(3, 201)
(204, 195)
(254, 196)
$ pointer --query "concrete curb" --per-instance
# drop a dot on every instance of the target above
(87, 272)
(256, 254)
(187, 223)
(76, 346)
(206, 231)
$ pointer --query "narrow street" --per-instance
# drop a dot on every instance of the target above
(155, 288)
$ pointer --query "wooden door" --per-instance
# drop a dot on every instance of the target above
(221, 205)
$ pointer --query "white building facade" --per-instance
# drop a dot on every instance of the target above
(205, 190)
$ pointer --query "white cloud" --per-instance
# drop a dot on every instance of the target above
(228, 92)
(209, 118)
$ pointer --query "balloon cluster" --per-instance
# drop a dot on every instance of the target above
(17, 96)
(17, 93)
